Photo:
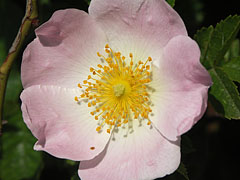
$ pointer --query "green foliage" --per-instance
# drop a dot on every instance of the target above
(234, 50)
(171, 2)
(87, 1)
(75, 177)
(183, 171)
(19, 161)
(222, 38)
(203, 37)
(220, 55)
(226, 92)
(18, 155)
(232, 69)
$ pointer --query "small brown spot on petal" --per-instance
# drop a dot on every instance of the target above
(92, 148)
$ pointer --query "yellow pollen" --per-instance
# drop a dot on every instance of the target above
(98, 128)
(118, 90)
(76, 98)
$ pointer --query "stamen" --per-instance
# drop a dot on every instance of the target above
(117, 90)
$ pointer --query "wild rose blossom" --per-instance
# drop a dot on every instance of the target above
(114, 89)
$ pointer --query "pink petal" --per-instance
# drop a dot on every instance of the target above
(143, 154)
(63, 127)
(63, 51)
(182, 99)
(137, 25)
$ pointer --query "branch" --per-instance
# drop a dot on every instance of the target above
(29, 19)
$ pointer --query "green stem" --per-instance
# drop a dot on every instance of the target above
(29, 19)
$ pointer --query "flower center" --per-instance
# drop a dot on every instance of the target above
(118, 90)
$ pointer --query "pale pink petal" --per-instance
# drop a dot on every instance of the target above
(63, 127)
(142, 154)
(181, 85)
(65, 47)
(137, 26)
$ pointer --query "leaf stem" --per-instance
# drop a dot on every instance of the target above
(30, 18)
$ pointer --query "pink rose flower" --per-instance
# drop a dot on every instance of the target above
(114, 89)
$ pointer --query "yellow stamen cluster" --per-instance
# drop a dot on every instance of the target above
(117, 90)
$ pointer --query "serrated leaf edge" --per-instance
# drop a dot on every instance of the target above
(230, 94)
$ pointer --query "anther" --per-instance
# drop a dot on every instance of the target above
(118, 90)
(98, 128)
(149, 59)
(91, 69)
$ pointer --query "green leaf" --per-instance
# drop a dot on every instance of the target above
(203, 37)
(214, 42)
(71, 163)
(87, 1)
(235, 48)
(234, 51)
(14, 87)
(44, 2)
(232, 69)
(217, 49)
(183, 171)
(75, 177)
(222, 38)
(19, 160)
(225, 92)
(171, 2)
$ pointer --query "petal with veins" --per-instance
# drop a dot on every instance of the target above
(138, 155)
(64, 49)
(63, 127)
